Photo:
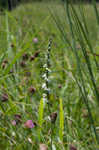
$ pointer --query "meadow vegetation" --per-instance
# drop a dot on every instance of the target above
(49, 76)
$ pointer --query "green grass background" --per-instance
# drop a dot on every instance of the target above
(18, 28)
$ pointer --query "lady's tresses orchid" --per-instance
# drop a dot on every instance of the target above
(45, 76)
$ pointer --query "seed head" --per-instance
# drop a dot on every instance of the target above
(32, 58)
(3, 65)
(72, 147)
(32, 90)
(59, 86)
(36, 54)
(17, 116)
(4, 97)
(23, 64)
(5, 61)
(12, 45)
(53, 117)
(25, 56)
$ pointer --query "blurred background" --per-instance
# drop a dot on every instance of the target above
(10, 4)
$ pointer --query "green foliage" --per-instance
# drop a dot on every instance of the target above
(61, 118)
(40, 117)
(24, 37)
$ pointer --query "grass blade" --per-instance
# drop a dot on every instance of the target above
(40, 117)
(61, 129)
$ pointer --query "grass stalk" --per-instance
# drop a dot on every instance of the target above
(78, 61)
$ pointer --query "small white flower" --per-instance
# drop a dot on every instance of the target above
(30, 141)
(44, 75)
(49, 118)
(46, 79)
(45, 65)
(47, 89)
(48, 69)
(44, 95)
(44, 86)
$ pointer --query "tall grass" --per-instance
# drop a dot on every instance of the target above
(85, 72)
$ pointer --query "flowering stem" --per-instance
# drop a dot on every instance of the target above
(45, 86)
(47, 72)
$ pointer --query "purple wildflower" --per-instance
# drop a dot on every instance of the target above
(72, 147)
(29, 124)
(35, 40)
(13, 122)
(43, 147)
